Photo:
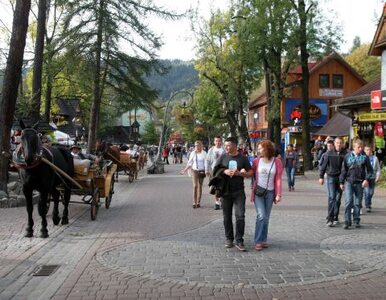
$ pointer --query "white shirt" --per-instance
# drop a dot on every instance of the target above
(200, 162)
(263, 170)
(213, 154)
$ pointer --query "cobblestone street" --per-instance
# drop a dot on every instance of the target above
(151, 244)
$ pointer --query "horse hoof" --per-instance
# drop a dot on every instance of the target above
(64, 221)
(29, 234)
(56, 220)
(44, 234)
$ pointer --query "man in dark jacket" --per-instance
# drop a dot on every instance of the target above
(354, 177)
(237, 167)
(331, 163)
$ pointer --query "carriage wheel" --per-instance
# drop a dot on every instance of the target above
(131, 176)
(110, 195)
(94, 204)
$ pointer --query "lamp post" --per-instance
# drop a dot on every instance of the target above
(158, 166)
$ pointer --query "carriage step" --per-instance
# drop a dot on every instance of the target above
(45, 270)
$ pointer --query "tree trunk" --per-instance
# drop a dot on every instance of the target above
(11, 82)
(232, 123)
(38, 62)
(95, 107)
(305, 83)
(268, 92)
(277, 96)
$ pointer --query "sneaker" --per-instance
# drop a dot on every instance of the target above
(240, 246)
(330, 224)
(265, 245)
(229, 244)
(259, 246)
(368, 209)
(336, 222)
(357, 225)
(346, 225)
(216, 206)
(293, 188)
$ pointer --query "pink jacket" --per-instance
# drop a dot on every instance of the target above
(277, 180)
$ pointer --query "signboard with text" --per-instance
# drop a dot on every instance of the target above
(318, 110)
(378, 99)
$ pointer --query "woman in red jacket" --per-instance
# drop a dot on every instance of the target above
(267, 189)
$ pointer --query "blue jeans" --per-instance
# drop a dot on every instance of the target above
(236, 199)
(369, 192)
(334, 197)
(263, 207)
(290, 176)
(353, 197)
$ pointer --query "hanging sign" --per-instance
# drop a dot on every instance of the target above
(378, 99)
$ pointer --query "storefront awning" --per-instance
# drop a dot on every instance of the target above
(338, 125)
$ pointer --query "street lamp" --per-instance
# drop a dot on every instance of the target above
(158, 166)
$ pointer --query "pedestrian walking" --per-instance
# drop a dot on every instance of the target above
(236, 167)
(291, 160)
(376, 174)
(354, 177)
(267, 189)
(165, 155)
(331, 164)
(197, 162)
(213, 154)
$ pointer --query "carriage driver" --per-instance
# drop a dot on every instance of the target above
(76, 153)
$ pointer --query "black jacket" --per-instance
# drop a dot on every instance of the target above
(331, 163)
(219, 182)
(355, 168)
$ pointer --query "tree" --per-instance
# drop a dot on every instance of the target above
(150, 135)
(38, 61)
(223, 63)
(355, 44)
(315, 36)
(97, 37)
(369, 67)
(11, 82)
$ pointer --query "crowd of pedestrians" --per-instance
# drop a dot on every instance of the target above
(344, 172)
(353, 173)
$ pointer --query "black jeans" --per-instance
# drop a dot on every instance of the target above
(236, 199)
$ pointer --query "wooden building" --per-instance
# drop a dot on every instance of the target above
(330, 78)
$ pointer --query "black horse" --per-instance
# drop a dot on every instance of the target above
(37, 175)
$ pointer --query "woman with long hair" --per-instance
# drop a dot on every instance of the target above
(266, 190)
(197, 162)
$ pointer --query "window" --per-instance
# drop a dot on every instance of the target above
(324, 81)
(337, 81)
(266, 113)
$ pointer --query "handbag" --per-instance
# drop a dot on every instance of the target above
(201, 173)
(260, 191)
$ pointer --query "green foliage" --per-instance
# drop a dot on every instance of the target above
(369, 67)
(150, 135)
(179, 75)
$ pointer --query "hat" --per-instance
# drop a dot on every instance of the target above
(75, 146)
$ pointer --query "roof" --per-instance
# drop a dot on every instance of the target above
(43, 126)
(68, 107)
(298, 69)
(338, 125)
(333, 56)
(379, 41)
(361, 96)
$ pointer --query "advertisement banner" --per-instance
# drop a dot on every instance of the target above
(318, 110)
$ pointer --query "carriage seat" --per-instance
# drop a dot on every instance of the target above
(81, 166)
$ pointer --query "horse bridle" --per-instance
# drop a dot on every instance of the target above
(18, 163)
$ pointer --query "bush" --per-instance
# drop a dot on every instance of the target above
(382, 180)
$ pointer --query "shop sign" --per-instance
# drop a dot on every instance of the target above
(378, 99)
(372, 117)
(330, 93)
(317, 109)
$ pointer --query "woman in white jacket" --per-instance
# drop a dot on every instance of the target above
(197, 162)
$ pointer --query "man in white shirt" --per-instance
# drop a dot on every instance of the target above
(213, 154)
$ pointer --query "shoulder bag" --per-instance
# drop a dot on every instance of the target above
(201, 173)
(260, 191)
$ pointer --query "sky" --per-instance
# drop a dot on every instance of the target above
(357, 18)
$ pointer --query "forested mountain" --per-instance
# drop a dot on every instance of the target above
(181, 76)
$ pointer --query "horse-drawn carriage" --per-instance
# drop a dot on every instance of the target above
(94, 183)
(50, 170)
(126, 162)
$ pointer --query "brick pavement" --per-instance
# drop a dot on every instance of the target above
(151, 244)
